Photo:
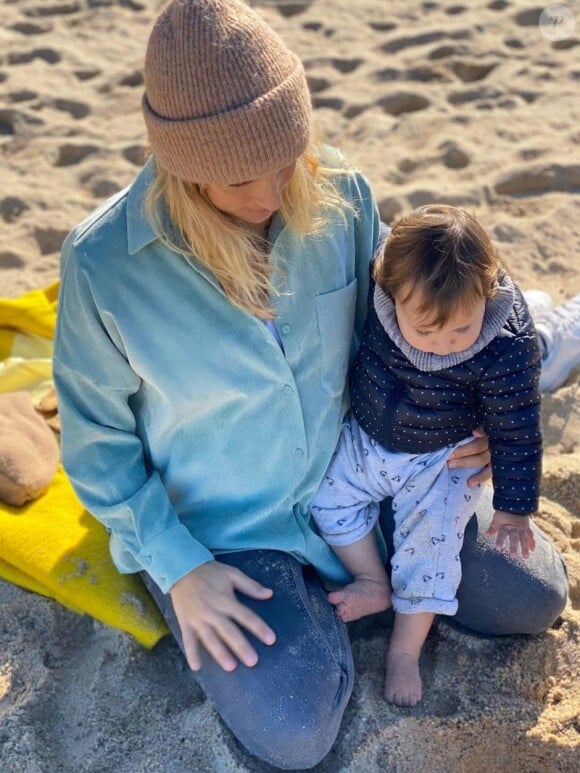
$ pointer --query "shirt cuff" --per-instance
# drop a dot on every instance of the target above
(171, 555)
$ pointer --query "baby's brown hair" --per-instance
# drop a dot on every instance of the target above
(444, 251)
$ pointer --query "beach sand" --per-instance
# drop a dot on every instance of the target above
(460, 102)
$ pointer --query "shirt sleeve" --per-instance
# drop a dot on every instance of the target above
(102, 453)
(511, 408)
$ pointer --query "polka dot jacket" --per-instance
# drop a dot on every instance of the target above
(417, 402)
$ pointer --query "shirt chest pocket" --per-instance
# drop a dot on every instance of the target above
(335, 316)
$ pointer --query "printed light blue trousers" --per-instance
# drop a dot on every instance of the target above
(431, 506)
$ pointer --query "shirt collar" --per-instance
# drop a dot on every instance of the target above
(140, 231)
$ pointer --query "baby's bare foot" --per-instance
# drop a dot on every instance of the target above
(362, 597)
(403, 681)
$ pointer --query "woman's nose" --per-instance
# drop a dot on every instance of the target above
(270, 193)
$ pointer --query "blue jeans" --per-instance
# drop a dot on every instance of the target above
(288, 708)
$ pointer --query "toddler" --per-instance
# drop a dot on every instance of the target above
(448, 347)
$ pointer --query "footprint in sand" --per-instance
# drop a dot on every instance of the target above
(545, 179)
(133, 79)
(100, 187)
(9, 259)
(528, 18)
(420, 197)
(352, 111)
(564, 45)
(316, 83)
(473, 95)
(387, 74)
(389, 208)
(292, 9)
(399, 44)
(444, 52)
(14, 122)
(382, 26)
(75, 109)
(87, 73)
(7, 125)
(49, 240)
(472, 71)
(514, 43)
(49, 55)
(343, 66)
(11, 208)
(54, 9)
(24, 95)
(403, 102)
(421, 74)
(453, 156)
(317, 26)
(70, 154)
(135, 154)
(455, 10)
(425, 74)
(30, 28)
(330, 103)
(498, 5)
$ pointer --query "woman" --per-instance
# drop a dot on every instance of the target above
(205, 329)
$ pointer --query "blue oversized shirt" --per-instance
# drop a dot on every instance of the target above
(186, 429)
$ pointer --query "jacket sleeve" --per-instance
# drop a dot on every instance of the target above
(510, 400)
(102, 452)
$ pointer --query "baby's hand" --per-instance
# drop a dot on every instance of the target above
(516, 529)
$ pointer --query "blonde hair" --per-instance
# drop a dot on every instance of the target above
(236, 257)
(444, 252)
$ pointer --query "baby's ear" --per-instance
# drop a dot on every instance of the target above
(29, 452)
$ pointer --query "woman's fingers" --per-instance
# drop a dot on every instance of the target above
(473, 454)
(191, 647)
(248, 586)
(225, 641)
(210, 614)
(479, 477)
(216, 646)
(253, 623)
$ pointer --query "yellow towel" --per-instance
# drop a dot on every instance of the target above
(53, 545)
(26, 331)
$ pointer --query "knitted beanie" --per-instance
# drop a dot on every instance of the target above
(225, 101)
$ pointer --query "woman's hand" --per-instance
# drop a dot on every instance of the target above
(473, 454)
(209, 613)
(514, 528)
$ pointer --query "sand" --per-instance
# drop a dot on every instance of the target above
(468, 103)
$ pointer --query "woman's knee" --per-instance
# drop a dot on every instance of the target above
(499, 595)
(297, 731)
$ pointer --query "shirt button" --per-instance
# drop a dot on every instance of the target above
(147, 559)
(298, 452)
(288, 389)
(286, 329)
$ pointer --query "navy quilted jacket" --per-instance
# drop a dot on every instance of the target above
(408, 409)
